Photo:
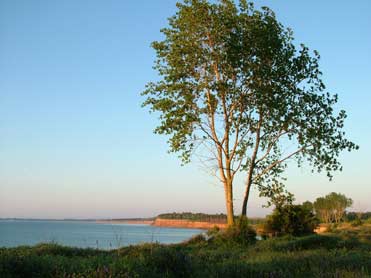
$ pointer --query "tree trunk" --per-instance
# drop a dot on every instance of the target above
(229, 202)
(246, 198)
(251, 168)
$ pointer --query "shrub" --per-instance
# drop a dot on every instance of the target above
(290, 219)
(332, 228)
(356, 222)
(213, 231)
(241, 232)
(196, 240)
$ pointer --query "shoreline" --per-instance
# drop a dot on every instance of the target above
(168, 223)
(132, 222)
(184, 223)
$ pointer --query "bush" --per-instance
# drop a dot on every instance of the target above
(213, 231)
(356, 222)
(332, 228)
(241, 233)
(196, 240)
(290, 219)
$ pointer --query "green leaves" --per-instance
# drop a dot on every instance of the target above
(235, 89)
(331, 208)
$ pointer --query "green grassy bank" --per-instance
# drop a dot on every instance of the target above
(341, 254)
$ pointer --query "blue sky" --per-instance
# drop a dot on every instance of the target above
(75, 142)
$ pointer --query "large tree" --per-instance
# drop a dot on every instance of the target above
(234, 86)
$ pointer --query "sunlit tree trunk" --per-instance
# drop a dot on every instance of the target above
(229, 202)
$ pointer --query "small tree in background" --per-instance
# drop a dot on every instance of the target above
(323, 209)
(237, 90)
(331, 208)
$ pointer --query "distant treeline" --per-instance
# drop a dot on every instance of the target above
(214, 218)
(351, 216)
(203, 217)
(131, 219)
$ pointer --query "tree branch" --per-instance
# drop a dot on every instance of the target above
(271, 166)
(272, 144)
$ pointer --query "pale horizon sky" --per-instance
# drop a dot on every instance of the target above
(75, 142)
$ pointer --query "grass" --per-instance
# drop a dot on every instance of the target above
(342, 253)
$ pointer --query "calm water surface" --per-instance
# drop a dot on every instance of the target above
(86, 234)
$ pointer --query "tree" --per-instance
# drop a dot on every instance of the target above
(331, 208)
(338, 202)
(235, 90)
(323, 209)
(308, 206)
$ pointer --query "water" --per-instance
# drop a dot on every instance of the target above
(87, 234)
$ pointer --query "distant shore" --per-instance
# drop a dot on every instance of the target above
(183, 223)
(168, 223)
(125, 221)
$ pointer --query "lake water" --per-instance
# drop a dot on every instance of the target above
(87, 234)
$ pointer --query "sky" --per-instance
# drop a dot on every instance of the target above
(76, 143)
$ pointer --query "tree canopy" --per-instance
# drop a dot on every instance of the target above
(331, 208)
(236, 90)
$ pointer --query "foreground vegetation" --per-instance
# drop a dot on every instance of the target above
(342, 253)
